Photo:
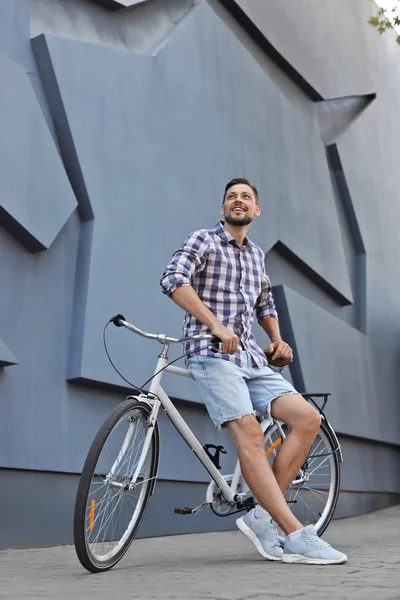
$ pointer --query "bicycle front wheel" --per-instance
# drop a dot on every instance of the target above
(117, 479)
(312, 495)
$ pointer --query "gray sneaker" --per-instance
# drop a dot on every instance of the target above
(263, 534)
(309, 549)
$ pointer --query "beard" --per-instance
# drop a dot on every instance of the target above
(239, 221)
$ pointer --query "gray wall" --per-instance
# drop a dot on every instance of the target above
(118, 130)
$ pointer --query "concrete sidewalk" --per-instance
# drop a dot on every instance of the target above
(220, 566)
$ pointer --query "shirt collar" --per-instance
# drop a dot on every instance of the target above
(224, 234)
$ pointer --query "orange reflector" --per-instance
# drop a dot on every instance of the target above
(272, 448)
(91, 516)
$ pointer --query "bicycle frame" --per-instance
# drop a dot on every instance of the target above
(158, 398)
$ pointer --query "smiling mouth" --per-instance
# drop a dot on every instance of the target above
(238, 209)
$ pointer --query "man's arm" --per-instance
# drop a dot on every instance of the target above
(271, 327)
(278, 347)
(268, 319)
(187, 298)
(176, 282)
(186, 262)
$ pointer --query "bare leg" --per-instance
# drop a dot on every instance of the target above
(303, 421)
(249, 441)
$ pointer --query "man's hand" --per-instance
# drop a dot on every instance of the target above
(187, 298)
(279, 354)
(229, 339)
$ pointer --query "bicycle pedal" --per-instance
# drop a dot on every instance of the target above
(185, 510)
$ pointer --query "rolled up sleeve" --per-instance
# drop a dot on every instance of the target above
(186, 262)
(265, 306)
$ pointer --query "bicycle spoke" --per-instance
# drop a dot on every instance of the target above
(316, 492)
(309, 508)
(317, 467)
(310, 497)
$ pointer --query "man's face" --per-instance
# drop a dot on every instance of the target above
(240, 207)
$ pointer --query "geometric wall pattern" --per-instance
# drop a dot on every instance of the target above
(109, 157)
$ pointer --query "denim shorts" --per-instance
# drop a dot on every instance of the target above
(230, 391)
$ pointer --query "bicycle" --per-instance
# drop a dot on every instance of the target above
(121, 469)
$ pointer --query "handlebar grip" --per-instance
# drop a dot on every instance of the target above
(216, 345)
(116, 320)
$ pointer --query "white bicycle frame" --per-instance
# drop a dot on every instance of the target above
(157, 397)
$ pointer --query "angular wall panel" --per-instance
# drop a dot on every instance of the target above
(140, 28)
(36, 198)
(117, 4)
(317, 47)
(14, 32)
(7, 358)
(337, 114)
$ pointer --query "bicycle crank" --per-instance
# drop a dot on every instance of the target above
(190, 511)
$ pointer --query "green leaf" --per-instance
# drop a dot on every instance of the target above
(385, 20)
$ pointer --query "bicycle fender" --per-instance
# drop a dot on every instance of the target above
(156, 457)
(334, 437)
(141, 399)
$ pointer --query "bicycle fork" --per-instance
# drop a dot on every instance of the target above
(152, 420)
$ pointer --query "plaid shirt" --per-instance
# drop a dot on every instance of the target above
(230, 280)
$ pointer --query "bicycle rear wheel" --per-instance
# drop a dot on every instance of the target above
(312, 495)
(117, 479)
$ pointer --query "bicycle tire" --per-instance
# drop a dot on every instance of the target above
(324, 437)
(133, 412)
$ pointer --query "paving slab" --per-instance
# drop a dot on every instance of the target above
(216, 566)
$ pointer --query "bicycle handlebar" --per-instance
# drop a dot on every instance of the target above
(120, 321)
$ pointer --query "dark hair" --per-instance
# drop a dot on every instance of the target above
(244, 181)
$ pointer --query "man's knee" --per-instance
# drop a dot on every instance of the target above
(246, 432)
(297, 413)
(315, 419)
(310, 421)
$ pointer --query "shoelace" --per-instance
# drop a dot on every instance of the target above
(274, 533)
(316, 541)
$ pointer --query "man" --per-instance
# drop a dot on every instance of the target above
(218, 277)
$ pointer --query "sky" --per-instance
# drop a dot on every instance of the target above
(389, 4)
